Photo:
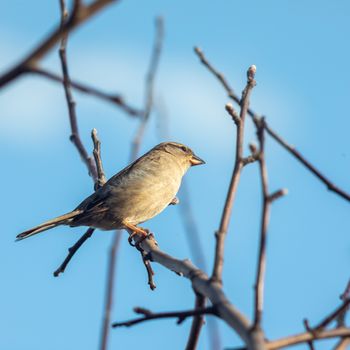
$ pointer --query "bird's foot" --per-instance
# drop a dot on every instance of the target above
(174, 201)
(136, 231)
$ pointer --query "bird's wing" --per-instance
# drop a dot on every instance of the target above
(95, 202)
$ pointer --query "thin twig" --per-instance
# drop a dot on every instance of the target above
(197, 323)
(80, 14)
(75, 137)
(330, 186)
(101, 178)
(333, 316)
(238, 165)
(180, 315)
(267, 201)
(343, 344)
(95, 169)
(306, 337)
(149, 88)
(115, 99)
(191, 227)
(109, 290)
(72, 250)
(230, 92)
(308, 329)
(148, 266)
(345, 296)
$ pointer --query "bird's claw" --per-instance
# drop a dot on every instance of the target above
(174, 201)
(147, 234)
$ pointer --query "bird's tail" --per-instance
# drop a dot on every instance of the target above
(60, 220)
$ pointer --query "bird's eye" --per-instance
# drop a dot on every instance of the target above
(184, 148)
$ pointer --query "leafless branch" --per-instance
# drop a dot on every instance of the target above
(95, 169)
(80, 14)
(333, 316)
(194, 242)
(148, 316)
(115, 99)
(267, 201)
(101, 178)
(197, 323)
(308, 329)
(149, 87)
(75, 137)
(343, 344)
(306, 337)
(148, 266)
(72, 250)
(207, 287)
(231, 94)
(109, 290)
(238, 165)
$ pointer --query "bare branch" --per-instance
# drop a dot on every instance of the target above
(267, 200)
(75, 137)
(95, 168)
(115, 99)
(197, 323)
(330, 186)
(231, 194)
(333, 316)
(206, 287)
(101, 178)
(148, 266)
(308, 329)
(148, 316)
(109, 290)
(72, 250)
(230, 92)
(149, 88)
(343, 344)
(306, 337)
(80, 14)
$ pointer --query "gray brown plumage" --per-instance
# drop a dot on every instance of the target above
(136, 194)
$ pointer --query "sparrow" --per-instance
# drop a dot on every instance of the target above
(136, 194)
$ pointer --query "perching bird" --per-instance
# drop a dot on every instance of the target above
(136, 194)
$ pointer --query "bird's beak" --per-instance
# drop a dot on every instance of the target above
(195, 160)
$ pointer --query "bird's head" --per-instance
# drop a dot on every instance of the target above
(184, 155)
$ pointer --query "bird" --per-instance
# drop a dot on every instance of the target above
(136, 194)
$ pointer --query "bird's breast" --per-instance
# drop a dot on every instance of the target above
(146, 191)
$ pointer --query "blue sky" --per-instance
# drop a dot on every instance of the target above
(302, 58)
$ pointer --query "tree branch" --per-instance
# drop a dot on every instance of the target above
(333, 316)
(109, 290)
(231, 94)
(95, 168)
(267, 201)
(197, 323)
(149, 88)
(148, 316)
(72, 250)
(80, 14)
(226, 214)
(306, 337)
(75, 137)
(207, 287)
(115, 99)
